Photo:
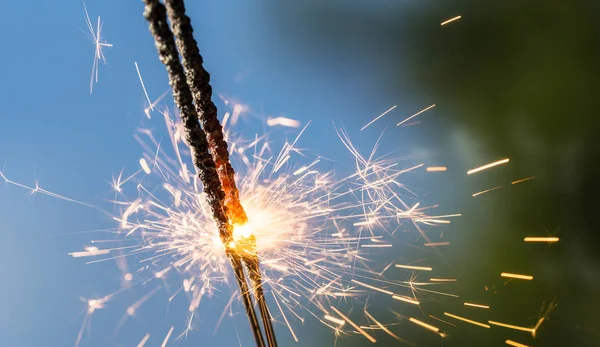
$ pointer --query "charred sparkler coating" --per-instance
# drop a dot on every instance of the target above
(198, 80)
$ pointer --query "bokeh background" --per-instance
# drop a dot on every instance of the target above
(510, 79)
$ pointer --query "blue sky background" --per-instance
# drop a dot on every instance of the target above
(53, 131)
(71, 142)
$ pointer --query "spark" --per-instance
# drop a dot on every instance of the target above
(522, 180)
(283, 121)
(285, 319)
(436, 168)
(376, 118)
(424, 325)
(541, 239)
(514, 343)
(166, 340)
(38, 189)
(476, 305)
(405, 299)
(150, 104)
(442, 279)
(382, 327)
(337, 321)
(410, 267)
(451, 20)
(487, 166)
(131, 309)
(145, 166)
(143, 341)
(89, 252)
(377, 246)
(436, 244)
(416, 114)
(359, 329)
(514, 327)
(373, 287)
(466, 320)
(99, 42)
(441, 320)
(486, 191)
(516, 276)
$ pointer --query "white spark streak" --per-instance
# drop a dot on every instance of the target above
(416, 114)
(376, 118)
(99, 43)
(283, 121)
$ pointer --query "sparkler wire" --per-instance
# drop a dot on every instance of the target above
(155, 14)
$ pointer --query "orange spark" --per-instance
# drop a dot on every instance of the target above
(373, 287)
(467, 320)
(540, 239)
(486, 191)
(436, 168)
(386, 330)
(422, 268)
(441, 320)
(487, 166)
(451, 20)
(514, 327)
(337, 321)
(476, 305)
(514, 343)
(405, 299)
(359, 329)
(516, 276)
(522, 180)
(435, 244)
(424, 325)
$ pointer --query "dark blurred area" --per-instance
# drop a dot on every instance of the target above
(514, 79)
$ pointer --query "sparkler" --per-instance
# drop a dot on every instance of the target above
(286, 225)
(198, 79)
(212, 181)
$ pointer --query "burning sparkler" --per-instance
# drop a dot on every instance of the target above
(303, 234)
